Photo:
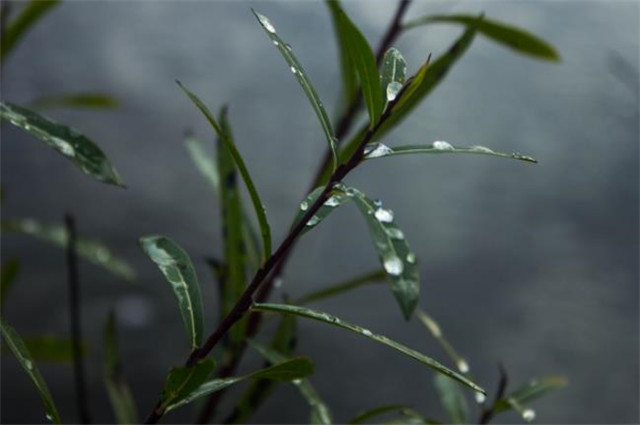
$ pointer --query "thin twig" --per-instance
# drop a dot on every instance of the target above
(488, 413)
(75, 319)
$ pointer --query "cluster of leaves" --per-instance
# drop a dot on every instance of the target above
(389, 95)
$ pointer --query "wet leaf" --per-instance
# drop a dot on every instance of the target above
(452, 399)
(379, 150)
(183, 382)
(333, 202)
(122, 401)
(394, 73)
(333, 320)
(76, 100)
(305, 83)
(176, 266)
(56, 234)
(508, 35)
(339, 288)
(253, 193)
(65, 140)
(347, 69)
(10, 270)
(31, 13)
(15, 343)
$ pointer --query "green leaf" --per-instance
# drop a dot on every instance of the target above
(29, 15)
(436, 332)
(65, 140)
(334, 201)
(52, 349)
(76, 100)
(320, 413)
(295, 368)
(393, 251)
(364, 62)
(203, 162)
(15, 343)
(347, 69)
(339, 288)
(515, 38)
(304, 81)
(89, 249)
(380, 150)
(452, 400)
(363, 417)
(176, 266)
(332, 320)
(8, 275)
(183, 382)
(122, 401)
(530, 391)
(253, 193)
(394, 73)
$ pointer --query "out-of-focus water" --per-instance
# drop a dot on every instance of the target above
(535, 266)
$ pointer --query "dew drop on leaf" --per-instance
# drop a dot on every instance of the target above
(377, 150)
(528, 415)
(393, 265)
(393, 88)
(384, 215)
(442, 146)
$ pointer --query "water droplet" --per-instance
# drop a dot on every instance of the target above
(103, 254)
(394, 233)
(28, 364)
(48, 417)
(313, 221)
(288, 46)
(376, 150)
(463, 366)
(377, 203)
(366, 332)
(333, 201)
(482, 149)
(393, 88)
(393, 265)
(442, 146)
(266, 23)
(528, 415)
(297, 381)
(384, 215)
(63, 146)
(293, 69)
(277, 282)
(275, 43)
(304, 205)
(411, 258)
(480, 398)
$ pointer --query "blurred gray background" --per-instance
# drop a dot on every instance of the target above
(535, 266)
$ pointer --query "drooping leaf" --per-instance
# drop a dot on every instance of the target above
(8, 275)
(436, 332)
(65, 140)
(15, 343)
(452, 399)
(508, 35)
(305, 83)
(320, 413)
(56, 234)
(339, 288)
(52, 349)
(334, 201)
(380, 150)
(394, 73)
(29, 15)
(122, 401)
(333, 320)
(364, 62)
(347, 69)
(176, 266)
(76, 100)
(295, 368)
(183, 382)
(204, 163)
(253, 193)
(530, 391)
(394, 253)
(365, 416)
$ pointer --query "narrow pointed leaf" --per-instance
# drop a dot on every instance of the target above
(379, 150)
(320, 413)
(122, 401)
(347, 69)
(393, 251)
(437, 333)
(365, 416)
(29, 15)
(334, 201)
(176, 266)
(364, 62)
(513, 37)
(532, 390)
(305, 83)
(253, 193)
(452, 400)
(67, 141)
(203, 161)
(394, 73)
(8, 275)
(333, 320)
(76, 100)
(92, 250)
(339, 288)
(183, 382)
(295, 368)
(52, 349)
(15, 343)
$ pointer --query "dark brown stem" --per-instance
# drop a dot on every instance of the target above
(488, 413)
(75, 319)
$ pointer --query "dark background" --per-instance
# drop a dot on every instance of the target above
(535, 266)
